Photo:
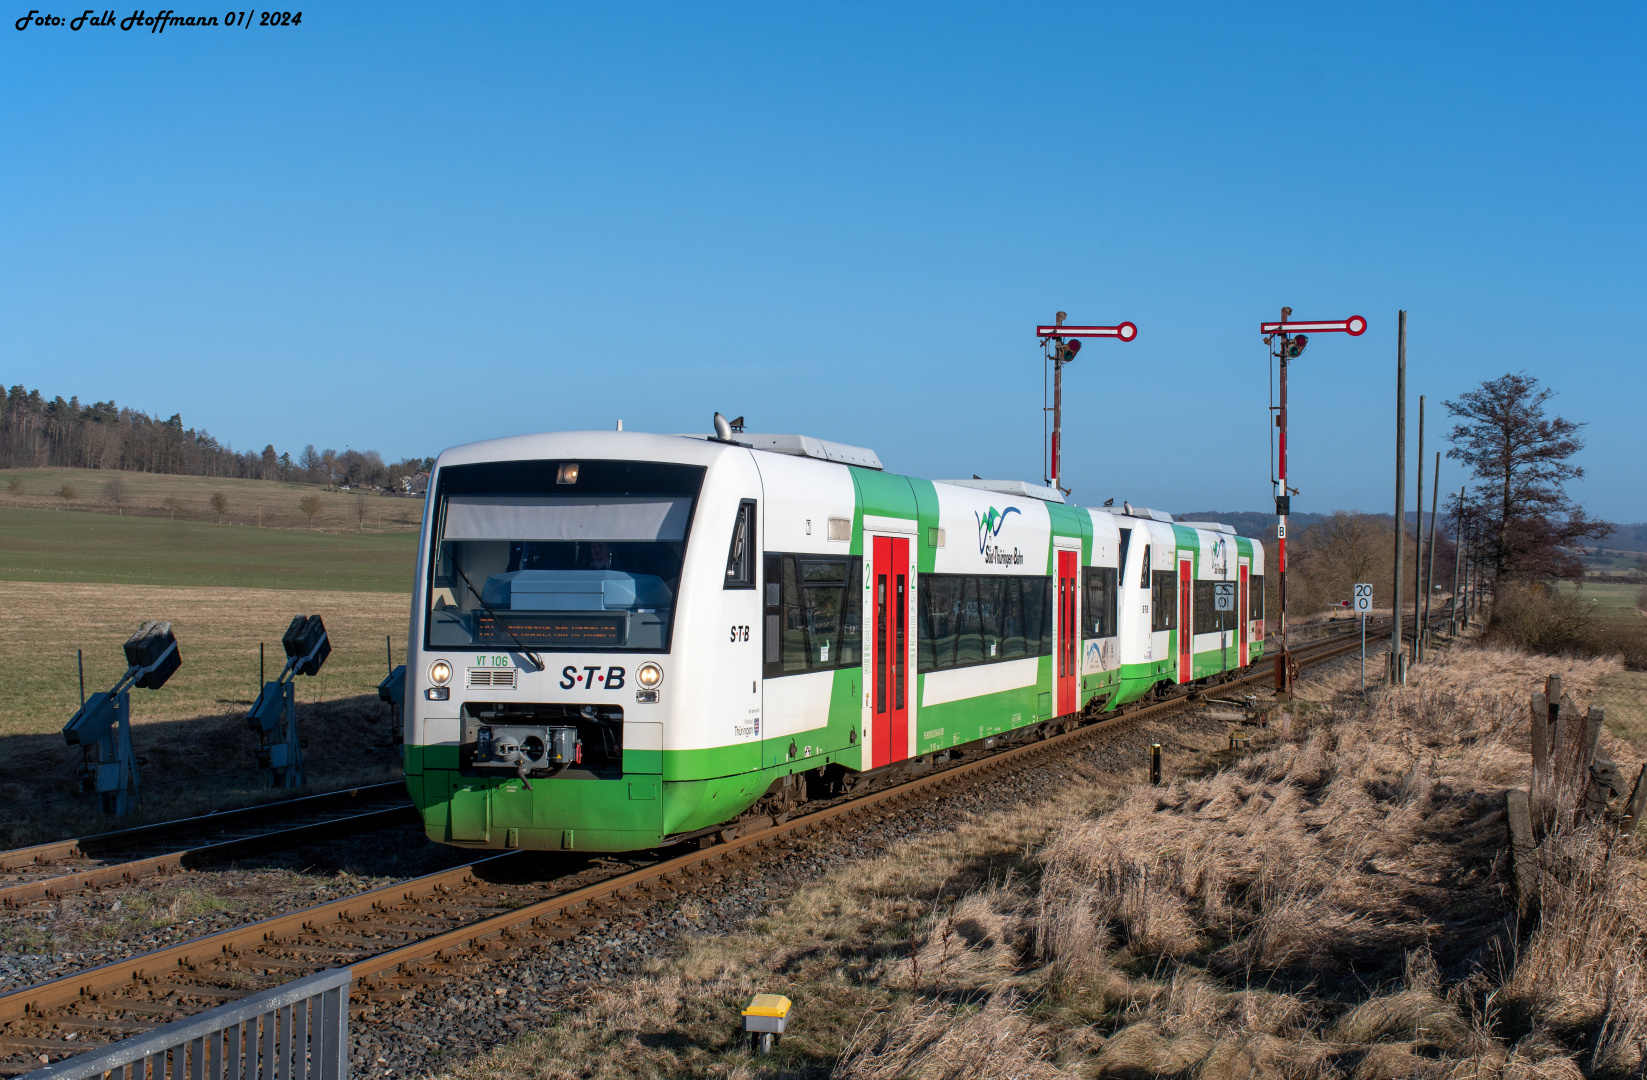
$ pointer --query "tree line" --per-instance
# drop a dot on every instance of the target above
(36, 432)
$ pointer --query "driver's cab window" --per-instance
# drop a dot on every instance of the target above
(740, 558)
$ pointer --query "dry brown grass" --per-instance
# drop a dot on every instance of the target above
(1334, 905)
(197, 746)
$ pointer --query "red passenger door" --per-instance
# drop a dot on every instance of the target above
(889, 592)
(1242, 626)
(1068, 683)
(1186, 628)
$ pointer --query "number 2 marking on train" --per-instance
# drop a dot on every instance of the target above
(740, 633)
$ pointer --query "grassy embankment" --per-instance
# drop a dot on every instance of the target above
(86, 580)
(263, 503)
(1333, 905)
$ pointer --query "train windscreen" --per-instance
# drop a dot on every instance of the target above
(559, 555)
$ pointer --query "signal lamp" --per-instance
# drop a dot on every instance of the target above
(649, 675)
(307, 644)
(568, 473)
(440, 672)
(1296, 346)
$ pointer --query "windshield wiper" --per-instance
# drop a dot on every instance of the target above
(537, 661)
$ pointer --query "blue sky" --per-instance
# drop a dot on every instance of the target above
(408, 227)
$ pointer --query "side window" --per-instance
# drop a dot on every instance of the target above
(980, 619)
(1255, 596)
(1205, 609)
(1143, 579)
(813, 613)
(1038, 616)
(740, 558)
(1164, 600)
(1101, 602)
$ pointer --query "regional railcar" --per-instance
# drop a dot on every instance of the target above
(622, 640)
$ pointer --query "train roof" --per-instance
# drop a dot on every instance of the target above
(1021, 488)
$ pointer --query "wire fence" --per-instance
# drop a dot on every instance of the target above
(1624, 696)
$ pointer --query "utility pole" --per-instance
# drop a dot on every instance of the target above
(1429, 578)
(1061, 352)
(1418, 540)
(1287, 340)
(1398, 673)
(1458, 563)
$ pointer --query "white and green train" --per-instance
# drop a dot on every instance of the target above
(622, 640)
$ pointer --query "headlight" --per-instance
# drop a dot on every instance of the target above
(649, 675)
(440, 673)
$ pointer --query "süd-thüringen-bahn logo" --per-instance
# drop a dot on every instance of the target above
(989, 527)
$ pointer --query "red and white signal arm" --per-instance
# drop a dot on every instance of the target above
(1125, 331)
(1354, 326)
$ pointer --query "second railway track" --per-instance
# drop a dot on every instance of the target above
(430, 929)
(49, 871)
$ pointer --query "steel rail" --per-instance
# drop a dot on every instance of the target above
(92, 846)
(50, 888)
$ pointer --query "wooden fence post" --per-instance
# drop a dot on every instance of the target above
(1638, 802)
(1539, 789)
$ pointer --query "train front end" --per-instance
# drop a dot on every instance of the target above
(550, 656)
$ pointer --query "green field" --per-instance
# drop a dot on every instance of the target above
(1613, 603)
(63, 545)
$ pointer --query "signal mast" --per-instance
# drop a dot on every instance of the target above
(1287, 341)
(1061, 352)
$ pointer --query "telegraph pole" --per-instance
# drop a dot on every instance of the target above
(1398, 674)
(1061, 352)
(1418, 539)
(1287, 340)
(1458, 563)
(1429, 576)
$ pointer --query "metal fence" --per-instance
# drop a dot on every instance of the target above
(298, 1031)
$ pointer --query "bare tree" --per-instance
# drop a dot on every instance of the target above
(69, 492)
(1520, 458)
(1328, 559)
(172, 504)
(328, 464)
(309, 462)
(15, 485)
(311, 506)
(117, 491)
(220, 504)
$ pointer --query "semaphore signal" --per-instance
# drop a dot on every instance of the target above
(1061, 352)
(1287, 340)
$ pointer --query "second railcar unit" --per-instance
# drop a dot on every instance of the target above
(621, 640)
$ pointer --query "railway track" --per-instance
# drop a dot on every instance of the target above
(400, 937)
(49, 871)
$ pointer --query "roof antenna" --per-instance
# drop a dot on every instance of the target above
(723, 430)
(1126, 508)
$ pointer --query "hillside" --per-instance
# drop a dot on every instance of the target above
(265, 503)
